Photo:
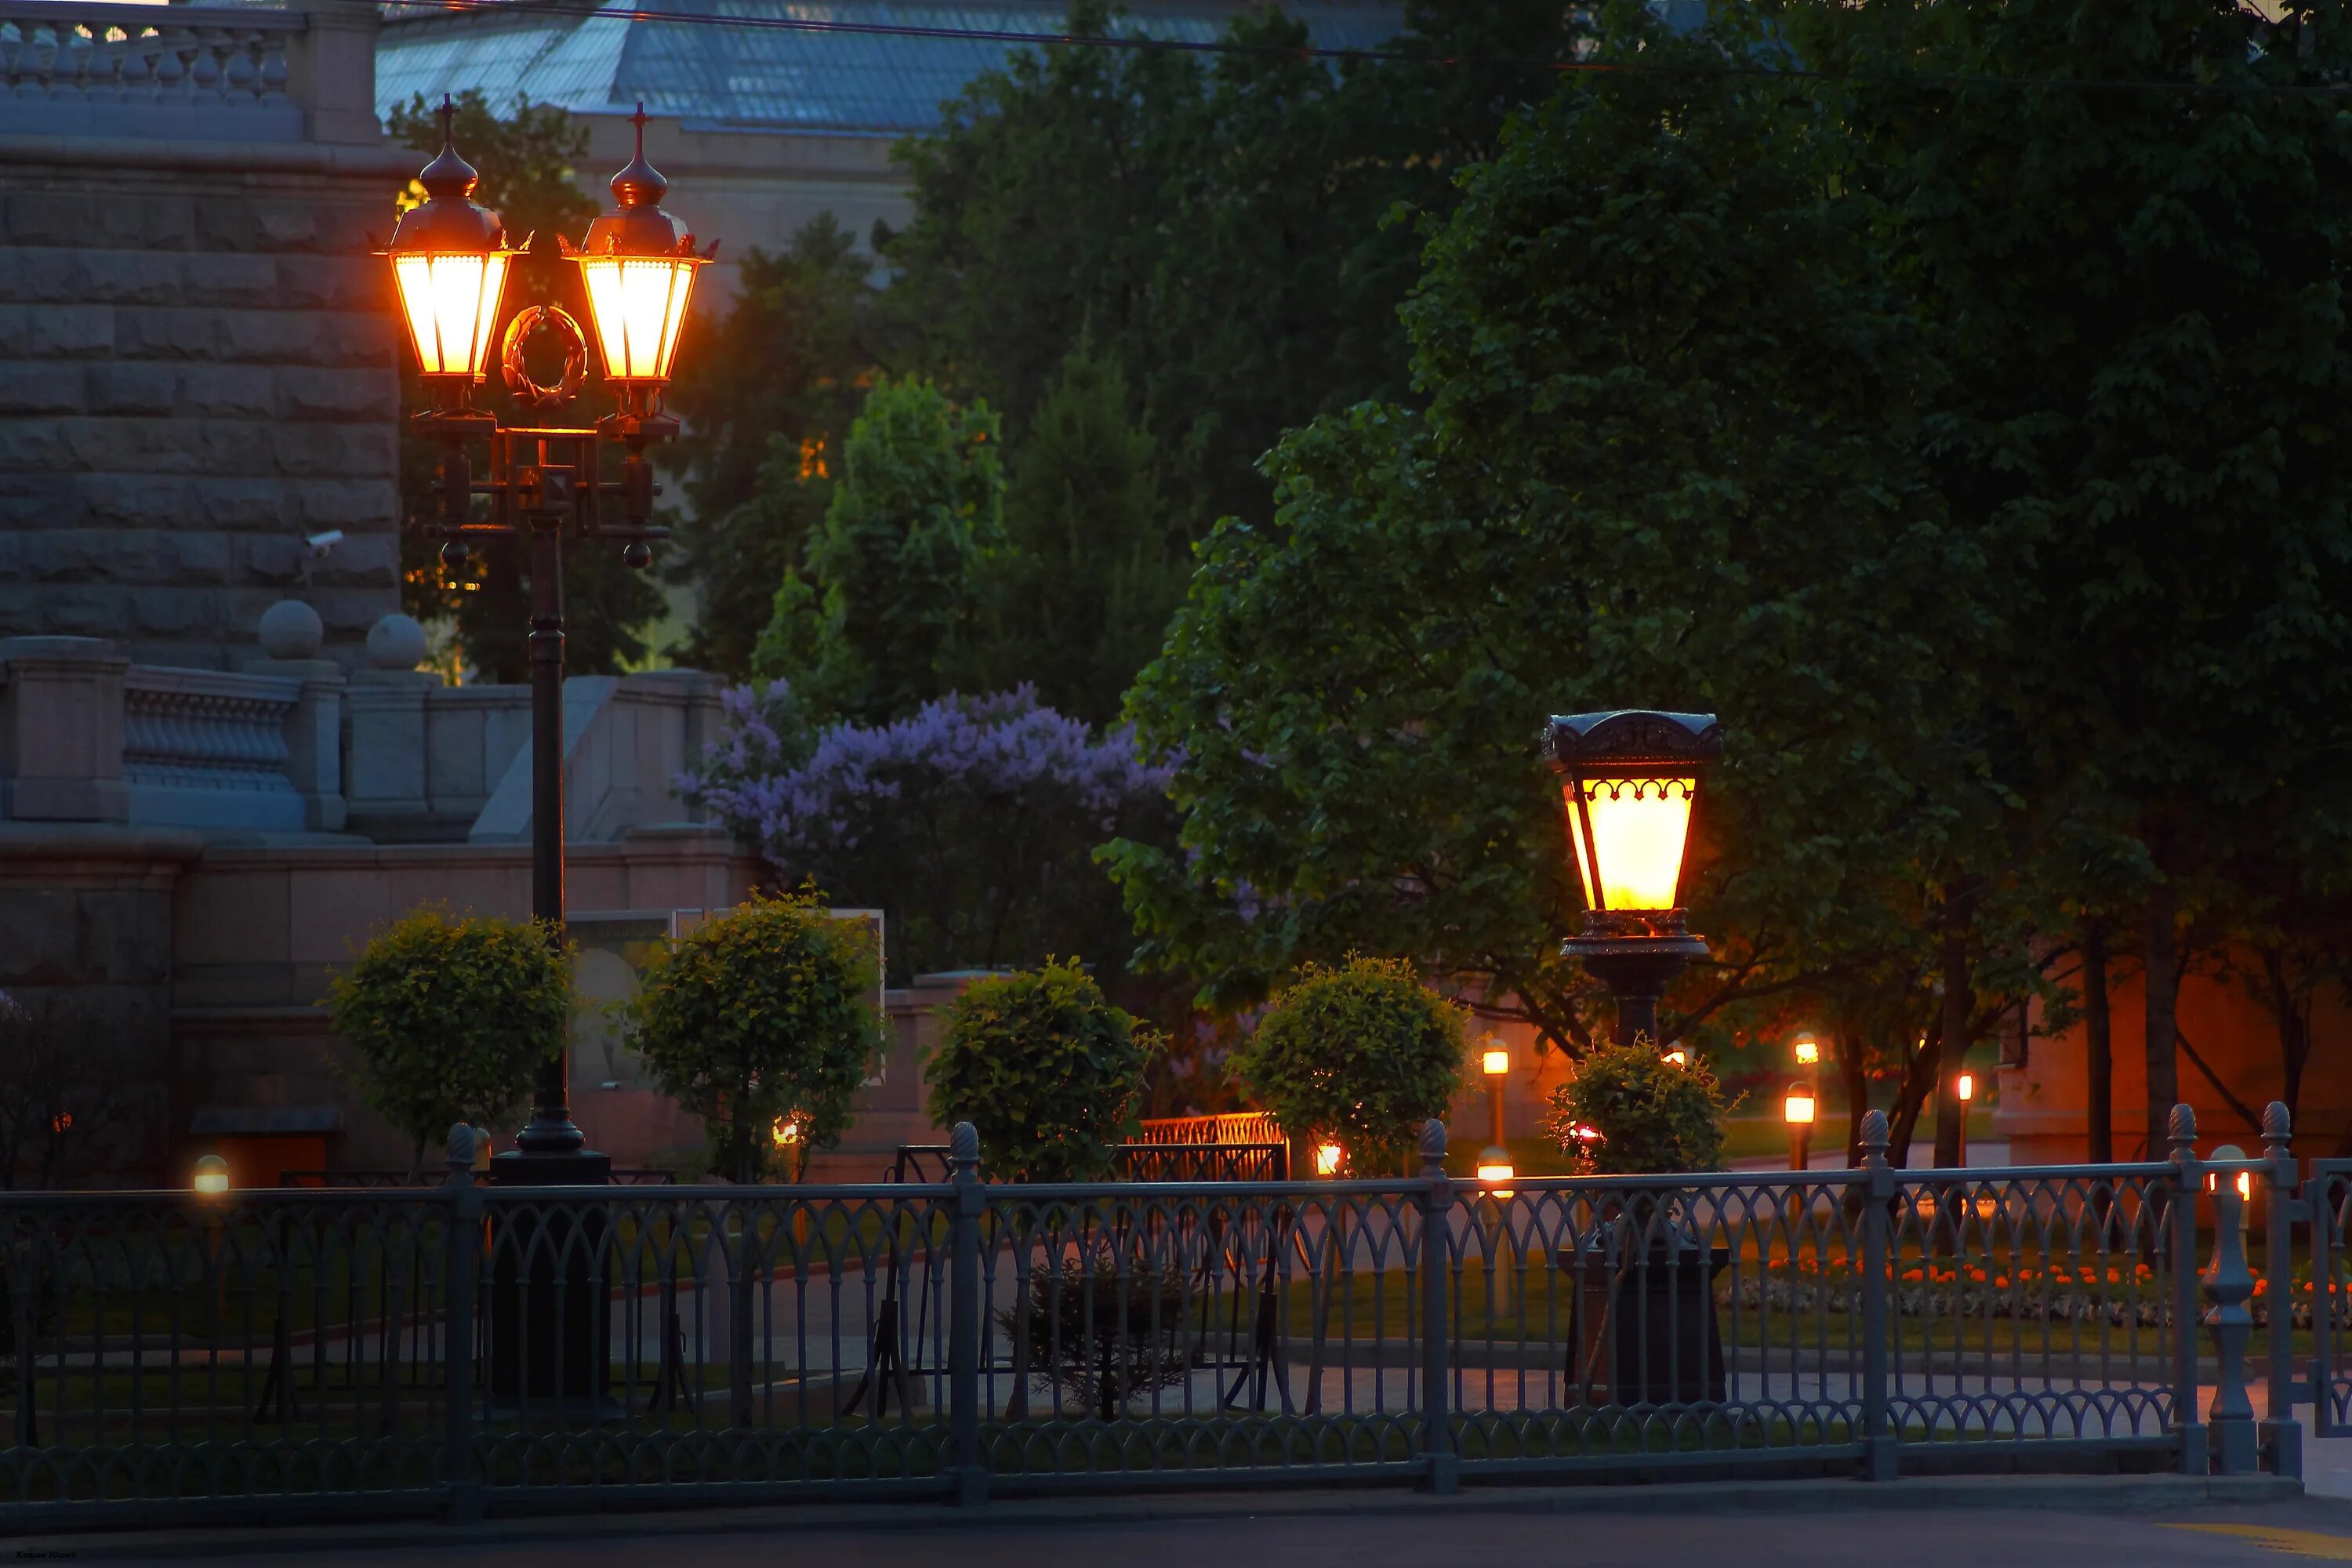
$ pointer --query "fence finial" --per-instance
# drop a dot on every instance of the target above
(460, 1154)
(2184, 1129)
(1432, 1147)
(1874, 1139)
(963, 1147)
(2277, 1124)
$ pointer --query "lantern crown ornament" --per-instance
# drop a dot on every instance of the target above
(1630, 779)
(449, 257)
(637, 266)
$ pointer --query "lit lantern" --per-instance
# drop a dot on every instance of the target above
(1965, 1086)
(637, 266)
(1808, 1054)
(786, 1131)
(449, 258)
(1797, 1108)
(1496, 1061)
(212, 1176)
(1631, 783)
(1631, 780)
(1494, 1169)
(1678, 1058)
(1327, 1157)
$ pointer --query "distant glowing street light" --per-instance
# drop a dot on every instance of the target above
(1631, 783)
(1496, 1061)
(1797, 1111)
(212, 1176)
(1965, 1086)
(1494, 1167)
(1808, 1054)
(1679, 1057)
(1328, 1159)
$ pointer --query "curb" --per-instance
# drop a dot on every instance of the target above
(2073, 1493)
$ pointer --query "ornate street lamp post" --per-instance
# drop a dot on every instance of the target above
(1631, 781)
(450, 259)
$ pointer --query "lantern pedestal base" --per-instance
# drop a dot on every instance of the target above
(1637, 971)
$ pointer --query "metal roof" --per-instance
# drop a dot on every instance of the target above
(770, 78)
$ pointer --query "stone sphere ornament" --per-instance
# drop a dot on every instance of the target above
(291, 629)
(396, 642)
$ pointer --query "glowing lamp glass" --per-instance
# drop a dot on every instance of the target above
(1327, 1159)
(1966, 1086)
(1496, 1062)
(450, 301)
(1807, 1052)
(1679, 1057)
(786, 1131)
(1490, 1174)
(212, 1176)
(638, 304)
(1797, 1109)
(1639, 828)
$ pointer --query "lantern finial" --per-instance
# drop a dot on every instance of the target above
(640, 184)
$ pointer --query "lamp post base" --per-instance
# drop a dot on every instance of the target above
(1636, 965)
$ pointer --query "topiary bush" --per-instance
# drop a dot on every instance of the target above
(1629, 1112)
(451, 1017)
(765, 1015)
(1360, 1055)
(1046, 1069)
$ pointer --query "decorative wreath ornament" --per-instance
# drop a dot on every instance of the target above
(529, 321)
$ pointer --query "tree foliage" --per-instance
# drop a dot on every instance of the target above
(875, 621)
(765, 1015)
(451, 1017)
(1628, 1111)
(1363, 1055)
(1046, 1069)
(528, 159)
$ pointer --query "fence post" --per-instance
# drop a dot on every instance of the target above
(1437, 1248)
(2282, 1435)
(964, 1308)
(462, 1239)
(2228, 1286)
(2181, 1221)
(1881, 1459)
(2320, 1208)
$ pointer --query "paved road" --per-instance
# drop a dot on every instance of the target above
(2276, 1536)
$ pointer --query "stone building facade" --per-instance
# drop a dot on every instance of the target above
(198, 387)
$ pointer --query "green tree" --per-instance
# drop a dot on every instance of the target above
(1078, 600)
(765, 1018)
(1361, 1055)
(451, 1017)
(2140, 406)
(874, 622)
(767, 391)
(527, 161)
(1046, 1069)
(1664, 462)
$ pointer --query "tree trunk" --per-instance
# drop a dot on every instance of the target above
(1960, 1003)
(2293, 1029)
(1855, 1072)
(2163, 1042)
(2099, 1097)
(1911, 1094)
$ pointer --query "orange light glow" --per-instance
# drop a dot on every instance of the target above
(1807, 1052)
(1640, 828)
(451, 304)
(212, 1176)
(786, 1131)
(1679, 1057)
(1496, 1061)
(1966, 1086)
(638, 303)
(1797, 1109)
(1326, 1159)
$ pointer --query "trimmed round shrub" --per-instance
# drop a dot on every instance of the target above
(764, 1017)
(452, 1018)
(1361, 1055)
(1046, 1069)
(1629, 1112)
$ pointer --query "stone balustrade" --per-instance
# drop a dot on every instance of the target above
(204, 748)
(218, 73)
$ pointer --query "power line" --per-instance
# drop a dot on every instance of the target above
(586, 10)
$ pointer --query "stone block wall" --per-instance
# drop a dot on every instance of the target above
(197, 371)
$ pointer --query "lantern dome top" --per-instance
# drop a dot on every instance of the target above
(641, 228)
(448, 219)
(1631, 737)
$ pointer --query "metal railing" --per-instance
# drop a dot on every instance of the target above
(622, 1177)
(1131, 1162)
(467, 1349)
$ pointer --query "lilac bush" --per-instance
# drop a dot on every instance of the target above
(972, 822)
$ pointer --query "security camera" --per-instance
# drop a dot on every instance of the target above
(321, 543)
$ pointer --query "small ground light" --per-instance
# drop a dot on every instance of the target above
(212, 1176)
(1679, 1056)
(1326, 1159)
(1797, 1110)
(1807, 1052)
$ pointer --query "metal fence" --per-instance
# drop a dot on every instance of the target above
(1130, 1162)
(468, 1349)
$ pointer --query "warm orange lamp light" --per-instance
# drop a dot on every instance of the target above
(1808, 1054)
(1327, 1157)
(637, 266)
(211, 1179)
(1797, 1109)
(1679, 1057)
(1496, 1061)
(449, 258)
(1966, 1086)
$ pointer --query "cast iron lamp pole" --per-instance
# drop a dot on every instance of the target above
(1632, 780)
(450, 259)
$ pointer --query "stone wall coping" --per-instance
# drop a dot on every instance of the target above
(187, 682)
(55, 843)
(83, 652)
(340, 160)
(411, 857)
